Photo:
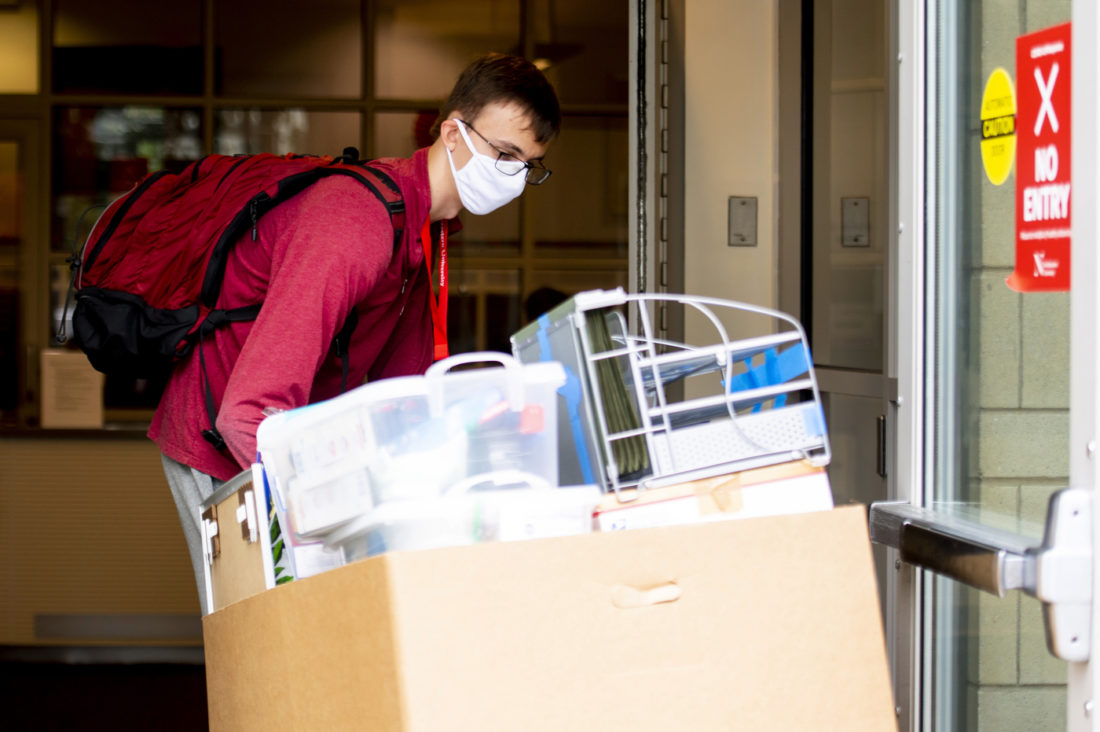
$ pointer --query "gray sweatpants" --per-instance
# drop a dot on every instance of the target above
(190, 488)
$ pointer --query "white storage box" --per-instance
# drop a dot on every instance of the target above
(410, 439)
(472, 511)
(794, 487)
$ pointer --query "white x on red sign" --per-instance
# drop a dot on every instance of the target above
(1046, 91)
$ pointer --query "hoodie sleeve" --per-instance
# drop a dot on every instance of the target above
(328, 248)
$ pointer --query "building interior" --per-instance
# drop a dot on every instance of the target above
(94, 96)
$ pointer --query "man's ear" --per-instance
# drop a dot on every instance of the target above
(448, 132)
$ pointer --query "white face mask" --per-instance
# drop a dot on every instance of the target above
(481, 187)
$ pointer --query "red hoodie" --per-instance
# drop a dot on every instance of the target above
(317, 255)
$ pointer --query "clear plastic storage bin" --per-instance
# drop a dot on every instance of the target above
(410, 439)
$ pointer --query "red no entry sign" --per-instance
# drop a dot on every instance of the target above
(1043, 178)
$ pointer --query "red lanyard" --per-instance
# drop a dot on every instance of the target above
(439, 308)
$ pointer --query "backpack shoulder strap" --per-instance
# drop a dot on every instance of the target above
(383, 186)
(283, 182)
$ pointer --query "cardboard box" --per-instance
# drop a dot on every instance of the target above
(236, 543)
(793, 487)
(72, 391)
(762, 624)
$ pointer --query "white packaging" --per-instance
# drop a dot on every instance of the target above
(476, 510)
(410, 438)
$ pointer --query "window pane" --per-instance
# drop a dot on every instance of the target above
(582, 210)
(495, 234)
(851, 104)
(483, 309)
(399, 134)
(503, 319)
(1000, 388)
(584, 48)
(9, 195)
(462, 323)
(548, 287)
(120, 46)
(10, 235)
(19, 50)
(283, 131)
(283, 48)
(422, 45)
(100, 152)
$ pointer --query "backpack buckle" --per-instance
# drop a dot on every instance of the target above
(214, 438)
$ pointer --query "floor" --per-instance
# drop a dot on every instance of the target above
(151, 697)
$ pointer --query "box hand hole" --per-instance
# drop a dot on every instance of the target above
(625, 597)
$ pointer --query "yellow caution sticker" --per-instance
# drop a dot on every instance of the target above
(998, 126)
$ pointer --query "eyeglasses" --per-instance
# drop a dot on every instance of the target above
(509, 164)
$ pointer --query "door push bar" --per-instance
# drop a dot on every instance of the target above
(1058, 572)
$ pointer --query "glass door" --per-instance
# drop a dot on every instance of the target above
(845, 84)
(998, 394)
(835, 90)
(999, 371)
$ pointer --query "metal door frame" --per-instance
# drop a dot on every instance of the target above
(905, 339)
(1084, 306)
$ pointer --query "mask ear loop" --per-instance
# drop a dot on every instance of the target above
(466, 138)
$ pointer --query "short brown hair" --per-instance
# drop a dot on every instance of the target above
(497, 77)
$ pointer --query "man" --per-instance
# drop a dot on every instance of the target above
(329, 250)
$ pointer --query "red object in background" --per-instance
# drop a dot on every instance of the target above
(422, 128)
(1043, 84)
(123, 173)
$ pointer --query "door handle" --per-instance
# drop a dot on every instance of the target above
(1057, 571)
(880, 446)
(978, 564)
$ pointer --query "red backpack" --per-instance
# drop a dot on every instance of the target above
(148, 277)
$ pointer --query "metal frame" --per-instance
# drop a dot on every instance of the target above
(905, 595)
(653, 363)
(938, 623)
(1084, 686)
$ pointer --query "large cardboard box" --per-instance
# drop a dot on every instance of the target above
(757, 624)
